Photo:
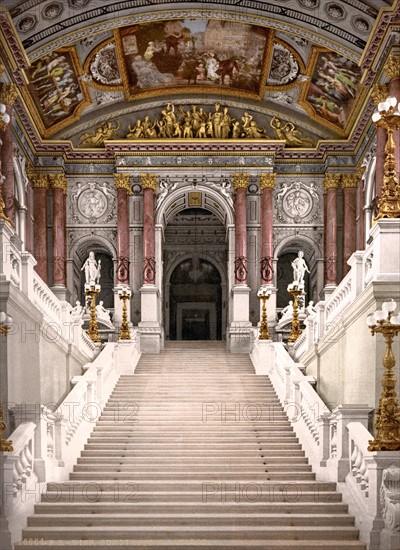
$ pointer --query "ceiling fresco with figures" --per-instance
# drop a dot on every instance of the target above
(282, 70)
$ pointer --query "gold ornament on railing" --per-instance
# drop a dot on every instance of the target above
(264, 294)
(5, 444)
(387, 422)
(92, 290)
(295, 291)
(388, 116)
(124, 295)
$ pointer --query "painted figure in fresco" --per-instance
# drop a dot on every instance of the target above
(92, 269)
(299, 268)
(227, 67)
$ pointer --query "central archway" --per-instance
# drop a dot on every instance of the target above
(195, 300)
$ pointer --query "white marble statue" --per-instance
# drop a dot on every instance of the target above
(102, 313)
(310, 309)
(299, 268)
(287, 312)
(92, 269)
(77, 311)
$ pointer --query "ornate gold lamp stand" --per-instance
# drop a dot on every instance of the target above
(387, 423)
(388, 116)
(5, 444)
(295, 291)
(124, 295)
(264, 294)
(92, 290)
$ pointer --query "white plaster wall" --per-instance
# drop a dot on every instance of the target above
(347, 362)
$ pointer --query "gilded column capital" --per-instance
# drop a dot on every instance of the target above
(379, 93)
(349, 181)
(149, 181)
(8, 94)
(267, 181)
(123, 181)
(331, 181)
(392, 66)
(240, 181)
(40, 181)
(58, 181)
(360, 172)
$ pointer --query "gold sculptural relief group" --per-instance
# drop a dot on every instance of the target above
(197, 123)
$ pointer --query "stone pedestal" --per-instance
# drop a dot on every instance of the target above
(239, 333)
(149, 326)
(385, 236)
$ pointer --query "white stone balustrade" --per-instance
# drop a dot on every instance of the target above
(46, 450)
(335, 442)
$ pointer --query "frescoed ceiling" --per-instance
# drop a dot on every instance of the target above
(141, 69)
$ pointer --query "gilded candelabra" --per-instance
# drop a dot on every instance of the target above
(388, 117)
(92, 290)
(5, 444)
(124, 295)
(264, 294)
(295, 291)
(387, 423)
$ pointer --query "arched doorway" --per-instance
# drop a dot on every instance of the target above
(195, 300)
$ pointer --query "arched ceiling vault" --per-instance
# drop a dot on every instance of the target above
(298, 71)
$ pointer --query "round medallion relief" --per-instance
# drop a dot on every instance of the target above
(92, 203)
(297, 203)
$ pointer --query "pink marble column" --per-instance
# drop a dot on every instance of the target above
(8, 95)
(349, 183)
(149, 185)
(29, 215)
(380, 158)
(361, 215)
(392, 69)
(58, 183)
(123, 186)
(40, 184)
(267, 184)
(240, 184)
(331, 183)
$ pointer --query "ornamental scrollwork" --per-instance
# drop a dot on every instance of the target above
(92, 203)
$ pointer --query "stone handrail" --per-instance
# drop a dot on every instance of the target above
(300, 346)
(47, 302)
(46, 449)
(335, 439)
(341, 298)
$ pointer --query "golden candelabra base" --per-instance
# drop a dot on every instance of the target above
(387, 423)
(264, 333)
(5, 444)
(124, 332)
(92, 291)
(295, 329)
(389, 202)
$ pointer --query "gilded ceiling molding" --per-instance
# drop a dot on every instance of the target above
(2, 67)
(9, 94)
(123, 181)
(349, 181)
(40, 181)
(379, 93)
(149, 181)
(392, 66)
(240, 181)
(331, 181)
(267, 181)
(58, 181)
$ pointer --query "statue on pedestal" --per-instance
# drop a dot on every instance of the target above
(299, 268)
(92, 269)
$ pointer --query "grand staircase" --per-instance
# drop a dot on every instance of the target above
(192, 451)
